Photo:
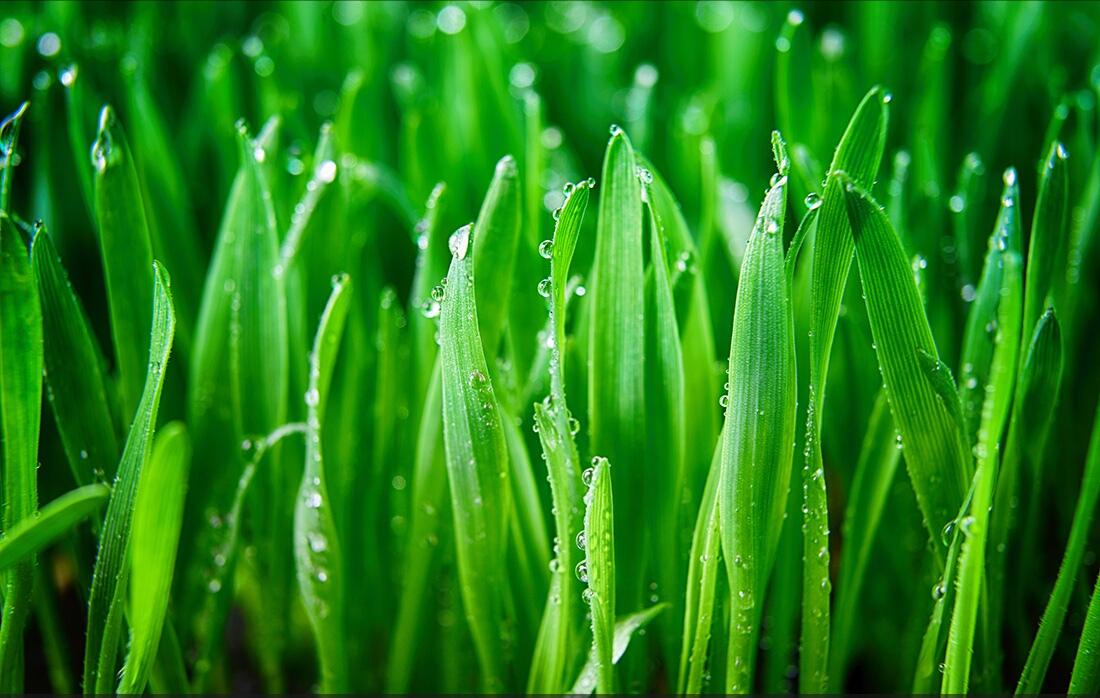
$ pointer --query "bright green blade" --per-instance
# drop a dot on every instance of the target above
(598, 568)
(625, 628)
(75, 370)
(759, 432)
(495, 242)
(21, 366)
(105, 606)
(127, 254)
(158, 515)
(317, 550)
(477, 461)
(1048, 229)
(616, 359)
(31, 535)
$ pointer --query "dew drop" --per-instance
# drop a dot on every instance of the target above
(724, 401)
(616, 130)
(587, 476)
(459, 241)
(544, 287)
(812, 200)
(317, 542)
(582, 571)
(438, 293)
(939, 590)
(582, 540)
(326, 171)
(546, 249)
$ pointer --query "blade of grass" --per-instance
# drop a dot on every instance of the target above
(9, 138)
(127, 255)
(158, 515)
(20, 413)
(316, 547)
(858, 153)
(105, 606)
(598, 569)
(616, 358)
(1050, 627)
(476, 458)
(495, 244)
(1086, 670)
(32, 535)
(759, 432)
(625, 628)
(74, 368)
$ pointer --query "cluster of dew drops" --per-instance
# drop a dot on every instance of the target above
(546, 247)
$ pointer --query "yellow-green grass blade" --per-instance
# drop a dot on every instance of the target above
(616, 353)
(477, 461)
(759, 431)
(105, 606)
(33, 534)
(127, 255)
(20, 409)
(158, 515)
(75, 370)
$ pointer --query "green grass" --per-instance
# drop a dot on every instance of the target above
(586, 347)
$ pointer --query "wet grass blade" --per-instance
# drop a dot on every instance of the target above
(495, 244)
(20, 409)
(105, 606)
(1086, 670)
(1048, 228)
(317, 550)
(625, 628)
(1050, 627)
(616, 358)
(975, 525)
(127, 254)
(598, 569)
(75, 370)
(9, 138)
(31, 535)
(477, 461)
(758, 440)
(158, 515)
(934, 448)
(858, 154)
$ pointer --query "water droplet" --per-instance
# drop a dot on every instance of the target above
(544, 287)
(582, 571)
(83, 454)
(956, 203)
(322, 576)
(775, 180)
(430, 309)
(724, 401)
(581, 540)
(546, 249)
(313, 500)
(939, 590)
(591, 182)
(644, 175)
(887, 98)
(317, 542)
(1060, 150)
(556, 213)
(568, 188)
(968, 293)
(438, 293)
(574, 426)
(795, 18)
(948, 531)
(326, 171)
(313, 397)
(897, 441)
(587, 475)
(555, 566)
(771, 227)
(214, 586)
(616, 130)
(812, 200)
(459, 242)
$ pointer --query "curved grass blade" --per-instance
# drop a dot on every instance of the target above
(9, 137)
(625, 628)
(74, 369)
(51, 522)
(702, 577)
(316, 548)
(1085, 678)
(598, 569)
(758, 440)
(616, 346)
(127, 254)
(158, 515)
(859, 154)
(20, 413)
(477, 463)
(878, 462)
(105, 606)
(975, 525)
(1050, 627)
(552, 662)
(935, 454)
(1048, 227)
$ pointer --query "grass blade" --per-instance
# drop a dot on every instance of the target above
(316, 547)
(598, 569)
(9, 137)
(1050, 627)
(75, 372)
(31, 535)
(1086, 670)
(477, 465)
(105, 606)
(495, 246)
(20, 409)
(158, 515)
(127, 255)
(758, 441)
(1048, 227)
(625, 628)
(616, 359)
